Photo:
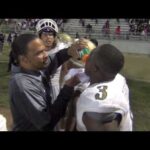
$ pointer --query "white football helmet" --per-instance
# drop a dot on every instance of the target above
(46, 23)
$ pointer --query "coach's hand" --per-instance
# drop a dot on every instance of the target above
(72, 81)
(74, 49)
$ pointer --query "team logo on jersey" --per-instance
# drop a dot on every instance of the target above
(102, 93)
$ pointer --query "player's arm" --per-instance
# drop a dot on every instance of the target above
(101, 121)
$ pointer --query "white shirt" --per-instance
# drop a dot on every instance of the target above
(3, 126)
(84, 79)
(106, 97)
(56, 77)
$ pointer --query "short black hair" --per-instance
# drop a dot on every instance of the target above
(19, 46)
(109, 59)
(94, 41)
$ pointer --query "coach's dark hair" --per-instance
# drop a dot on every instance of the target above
(19, 45)
(109, 59)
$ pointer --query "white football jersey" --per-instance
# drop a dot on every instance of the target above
(106, 97)
(55, 78)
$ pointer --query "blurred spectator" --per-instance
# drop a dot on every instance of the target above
(2, 38)
(89, 28)
(96, 21)
(106, 30)
(118, 21)
(83, 22)
(11, 37)
(107, 24)
(77, 35)
(117, 32)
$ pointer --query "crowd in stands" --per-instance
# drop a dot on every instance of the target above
(136, 27)
(26, 24)
(139, 26)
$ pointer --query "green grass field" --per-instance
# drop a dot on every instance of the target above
(140, 104)
(135, 66)
(4, 77)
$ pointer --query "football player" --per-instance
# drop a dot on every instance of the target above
(104, 104)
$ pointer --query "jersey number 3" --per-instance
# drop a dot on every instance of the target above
(102, 93)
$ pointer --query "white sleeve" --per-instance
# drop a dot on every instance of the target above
(3, 126)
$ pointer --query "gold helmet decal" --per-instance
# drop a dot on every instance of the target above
(65, 38)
